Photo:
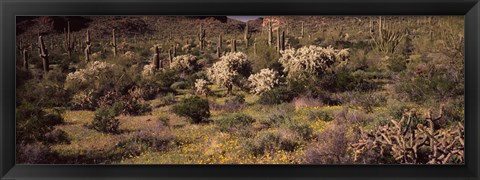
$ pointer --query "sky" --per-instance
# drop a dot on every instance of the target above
(244, 18)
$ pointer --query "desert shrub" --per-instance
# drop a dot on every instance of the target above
(234, 122)
(435, 77)
(233, 104)
(266, 58)
(331, 147)
(179, 85)
(272, 141)
(230, 70)
(47, 92)
(263, 81)
(168, 99)
(454, 110)
(276, 96)
(304, 101)
(105, 121)
(57, 136)
(166, 77)
(368, 101)
(144, 140)
(128, 104)
(397, 63)
(195, 108)
(321, 114)
(32, 123)
(84, 100)
(302, 128)
(34, 153)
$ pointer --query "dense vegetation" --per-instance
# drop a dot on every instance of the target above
(290, 90)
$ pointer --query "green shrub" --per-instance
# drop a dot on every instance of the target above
(179, 85)
(272, 141)
(57, 136)
(322, 115)
(32, 123)
(168, 99)
(397, 63)
(276, 96)
(166, 78)
(194, 107)
(105, 121)
(234, 122)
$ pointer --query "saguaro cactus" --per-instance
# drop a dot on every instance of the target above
(282, 41)
(170, 57)
(303, 30)
(114, 43)
(69, 41)
(246, 35)
(156, 58)
(270, 33)
(88, 45)
(201, 37)
(278, 40)
(219, 46)
(43, 54)
(25, 58)
(234, 45)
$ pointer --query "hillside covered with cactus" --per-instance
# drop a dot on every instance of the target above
(216, 90)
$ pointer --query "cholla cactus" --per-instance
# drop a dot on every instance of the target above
(311, 60)
(263, 81)
(225, 71)
(83, 100)
(184, 62)
(201, 86)
(148, 71)
(90, 73)
(130, 55)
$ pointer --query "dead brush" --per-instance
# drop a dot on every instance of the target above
(304, 101)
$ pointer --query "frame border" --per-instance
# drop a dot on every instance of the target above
(12, 8)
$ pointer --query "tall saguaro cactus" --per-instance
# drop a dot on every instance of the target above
(114, 43)
(246, 35)
(88, 44)
(303, 30)
(43, 54)
(69, 41)
(282, 41)
(201, 37)
(219, 46)
(278, 40)
(25, 58)
(234, 45)
(156, 58)
(270, 33)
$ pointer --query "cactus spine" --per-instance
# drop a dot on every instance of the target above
(43, 54)
(114, 43)
(88, 44)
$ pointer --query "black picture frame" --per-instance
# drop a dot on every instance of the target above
(12, 8)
